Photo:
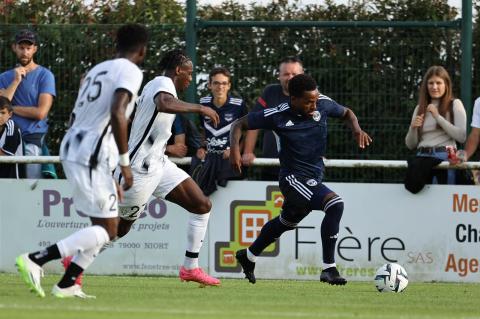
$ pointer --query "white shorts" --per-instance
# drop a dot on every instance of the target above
(94, 191)
(158, 183)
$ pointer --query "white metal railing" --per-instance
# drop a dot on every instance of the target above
(346, 163)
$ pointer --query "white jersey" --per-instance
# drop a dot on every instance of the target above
(150, 129)
(476, 114)
(89, 140)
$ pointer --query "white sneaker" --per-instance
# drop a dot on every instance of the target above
(70, 292)
(31, 273)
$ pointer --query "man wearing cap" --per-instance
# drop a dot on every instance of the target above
(31, 87)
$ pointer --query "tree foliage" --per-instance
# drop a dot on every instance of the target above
(86, 12)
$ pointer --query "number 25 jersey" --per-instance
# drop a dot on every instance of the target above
(89, 140)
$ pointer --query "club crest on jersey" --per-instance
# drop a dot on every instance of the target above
(312, 182)
(228, 117)
(316, 116)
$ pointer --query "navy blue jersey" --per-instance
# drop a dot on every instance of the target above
(177, 127)
(217, 138)
(271, 96)
(302, 140)
(11, 145)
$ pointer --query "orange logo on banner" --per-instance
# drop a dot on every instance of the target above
(246, 220)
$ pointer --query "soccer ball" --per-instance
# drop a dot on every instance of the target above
(391, 278)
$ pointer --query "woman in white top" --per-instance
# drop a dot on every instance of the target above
(439, 120)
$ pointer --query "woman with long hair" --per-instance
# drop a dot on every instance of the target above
(439, 120)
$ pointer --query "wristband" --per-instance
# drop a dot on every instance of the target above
(124, 159)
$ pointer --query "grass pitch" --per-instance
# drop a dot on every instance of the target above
(158, 297)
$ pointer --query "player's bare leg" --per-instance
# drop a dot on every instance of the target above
(124, 227)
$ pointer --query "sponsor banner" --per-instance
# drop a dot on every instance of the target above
(434, 235)
(34, 216)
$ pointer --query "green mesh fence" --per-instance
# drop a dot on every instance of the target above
(70, 50)
(376, 72)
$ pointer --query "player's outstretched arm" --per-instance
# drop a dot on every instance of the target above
(235, 133)
(362, 138)
(168, 104)
(119, 124)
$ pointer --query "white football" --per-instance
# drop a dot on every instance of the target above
(391, 278)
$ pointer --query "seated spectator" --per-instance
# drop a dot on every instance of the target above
(439, 120)
(176, 146)
(10, 140)
(185, 139)
(210, 166)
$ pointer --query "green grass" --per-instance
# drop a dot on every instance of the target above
(158, 297)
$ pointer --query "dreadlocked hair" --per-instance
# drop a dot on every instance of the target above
(173, 59)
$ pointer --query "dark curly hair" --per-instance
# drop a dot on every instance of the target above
(131, 37)
(301, 83)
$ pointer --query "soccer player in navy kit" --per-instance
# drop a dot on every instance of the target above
(272, 95)
(301, 126)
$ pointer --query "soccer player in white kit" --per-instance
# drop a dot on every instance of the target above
(89, 154)
(153, 172)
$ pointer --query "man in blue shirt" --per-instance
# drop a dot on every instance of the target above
(33, 96)
(301, 126)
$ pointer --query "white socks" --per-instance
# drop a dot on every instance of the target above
(196, 230)
(190, 263)
(251, 256)
(326, 266)
(84, 245)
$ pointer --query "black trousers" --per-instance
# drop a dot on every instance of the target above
(421, 171)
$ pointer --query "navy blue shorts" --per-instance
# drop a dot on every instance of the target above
(301, 196)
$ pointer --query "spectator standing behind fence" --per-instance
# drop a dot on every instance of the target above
(273, 95)
(10, 140)
(9, 92)
(211, 166)
(32, 97)
(439, 120)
